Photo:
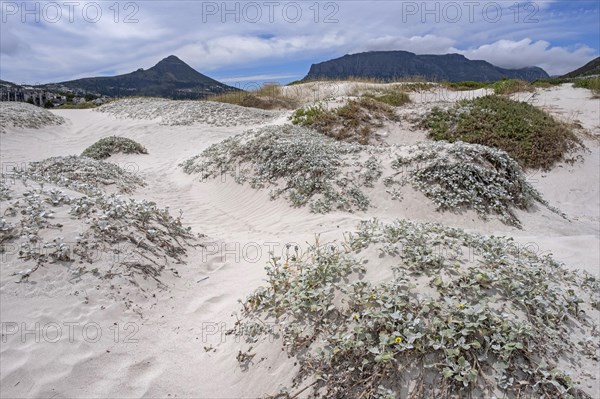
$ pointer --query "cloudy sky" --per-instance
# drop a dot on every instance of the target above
(255, 41)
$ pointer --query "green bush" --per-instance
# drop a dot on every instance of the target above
(529, 135)
(592, 84)
(108, 146)
(307, 116)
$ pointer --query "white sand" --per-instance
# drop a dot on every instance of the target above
(168, 359)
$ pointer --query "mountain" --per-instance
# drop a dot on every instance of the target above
(171, 78)
(589, 69)
(391, 65)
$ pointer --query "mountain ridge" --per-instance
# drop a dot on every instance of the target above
(589, 69)
(393, 65)
(170, 77)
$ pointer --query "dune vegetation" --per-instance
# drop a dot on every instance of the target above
(500, 87)
(309, 168)
(186, 112)
(111, 145)
(528, 134)
(452, 314)
(82, 174)
(592, 84)
(355, 121)
(102, 237)
(25, 115)
(268, 96)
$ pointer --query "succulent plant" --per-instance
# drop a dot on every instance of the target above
(448, 314)
(108, 146)
(185, 113)
(81, 174)
(24, 115)
(308, 168)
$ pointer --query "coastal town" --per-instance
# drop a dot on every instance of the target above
(48, 97)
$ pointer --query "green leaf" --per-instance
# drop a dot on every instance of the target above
(447, 372)
(500, 366)
(383, 358)
(374, 350)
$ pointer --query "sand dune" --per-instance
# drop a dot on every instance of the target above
(181, 113)
(129, 336)
(24, 115)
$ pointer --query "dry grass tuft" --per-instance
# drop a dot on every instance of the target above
(353, 122)
(269, 96)
(511, 86)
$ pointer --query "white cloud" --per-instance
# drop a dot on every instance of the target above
(523, 53)
(428, 44)
(66, 50)
(503, 53)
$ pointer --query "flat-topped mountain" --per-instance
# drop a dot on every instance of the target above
(392, 65)
(171, 78)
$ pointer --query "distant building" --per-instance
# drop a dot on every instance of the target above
(45, 96)
(31, 95)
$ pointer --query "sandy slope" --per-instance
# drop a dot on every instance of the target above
(168, 357)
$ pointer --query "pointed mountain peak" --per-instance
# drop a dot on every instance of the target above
(170, 77)
(174, 70)
(170, 60)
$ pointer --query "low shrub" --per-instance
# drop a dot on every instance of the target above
(85, 105)
(465, 176)
(450, 315)
(308, 168)
(303, 166)
(528, 134)
(592, 84)
(111, 145)
(307, 116)
(354, 122)
(269, 96)
(81, 174)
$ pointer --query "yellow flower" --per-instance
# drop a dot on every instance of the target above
(355, 316)
(398, 340)
(461, 305)
(372, 296)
